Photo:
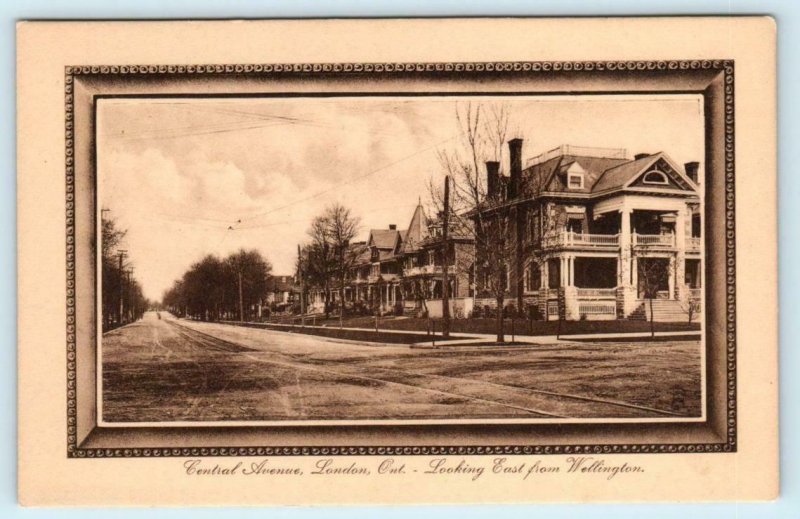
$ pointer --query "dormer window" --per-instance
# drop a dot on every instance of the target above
(575, 181)
(655, 177)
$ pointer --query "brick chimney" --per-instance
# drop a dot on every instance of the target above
(392, 227)
(492, 178)
(515, 154)
(693, 171)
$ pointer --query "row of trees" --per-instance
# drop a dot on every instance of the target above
(221, 288)
(122, 299)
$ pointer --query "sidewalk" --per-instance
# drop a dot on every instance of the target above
(468, 339)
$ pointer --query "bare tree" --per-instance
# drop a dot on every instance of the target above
(652, 276)
(320, 261)
(342, 228)
(475, 211)
(329, 256)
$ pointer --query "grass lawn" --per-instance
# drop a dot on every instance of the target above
(332, 330)
(520, 326)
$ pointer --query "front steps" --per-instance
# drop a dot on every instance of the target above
(665, 310)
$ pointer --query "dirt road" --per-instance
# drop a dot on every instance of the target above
(176, 370)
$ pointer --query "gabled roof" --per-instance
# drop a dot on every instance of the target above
(550, 175)
(629, 174)
(619, 176)
(601, 174)
(281, 284)
(383, 238)
(360, 253)
(417, 231)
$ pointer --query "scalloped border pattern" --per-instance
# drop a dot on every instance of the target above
(73, 451)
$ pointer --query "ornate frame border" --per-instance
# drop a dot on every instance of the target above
(74, 450)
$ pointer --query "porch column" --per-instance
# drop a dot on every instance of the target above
(672, 276)
(545, 277)
(625, 278)
(679, 292)
(626, 273)
(571, 271)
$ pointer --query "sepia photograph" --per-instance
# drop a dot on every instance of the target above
(415, 258)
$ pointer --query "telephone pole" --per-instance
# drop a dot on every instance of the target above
(121, 254)
(241, 299)
(131, 311)
(445, 259)
(108, 305)
(302, 287)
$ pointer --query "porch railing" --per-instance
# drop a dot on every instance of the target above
(597, 293)
(597, 308)
(649, 240)
(412, 271)
(572, 239)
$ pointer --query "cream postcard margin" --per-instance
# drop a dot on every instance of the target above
(47, 477)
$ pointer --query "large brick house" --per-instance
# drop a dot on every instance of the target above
(596, 229)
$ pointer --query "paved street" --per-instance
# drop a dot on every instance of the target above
(164, 369)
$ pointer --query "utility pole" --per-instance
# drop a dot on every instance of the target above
(131, 310)
(445, 259)
(341, 292)
(122, 254)
(108, 305)
(241, 299)
(302, 287)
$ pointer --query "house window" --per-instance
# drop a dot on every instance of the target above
(575, 225)
(532, 278)
(655, 177)
(534, 227)
(575, 181)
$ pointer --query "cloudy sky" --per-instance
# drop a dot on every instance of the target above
(189, 177)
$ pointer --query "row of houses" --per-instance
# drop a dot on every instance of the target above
(588, 224)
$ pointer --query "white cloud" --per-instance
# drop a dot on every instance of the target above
(177, 174)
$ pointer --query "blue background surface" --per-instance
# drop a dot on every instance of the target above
(787, 14)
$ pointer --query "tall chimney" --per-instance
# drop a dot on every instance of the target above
(515, 153)
(693, 171)
(492, 178)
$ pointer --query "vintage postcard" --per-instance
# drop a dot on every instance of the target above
(397, 261)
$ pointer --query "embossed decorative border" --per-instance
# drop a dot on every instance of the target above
(278, 69)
